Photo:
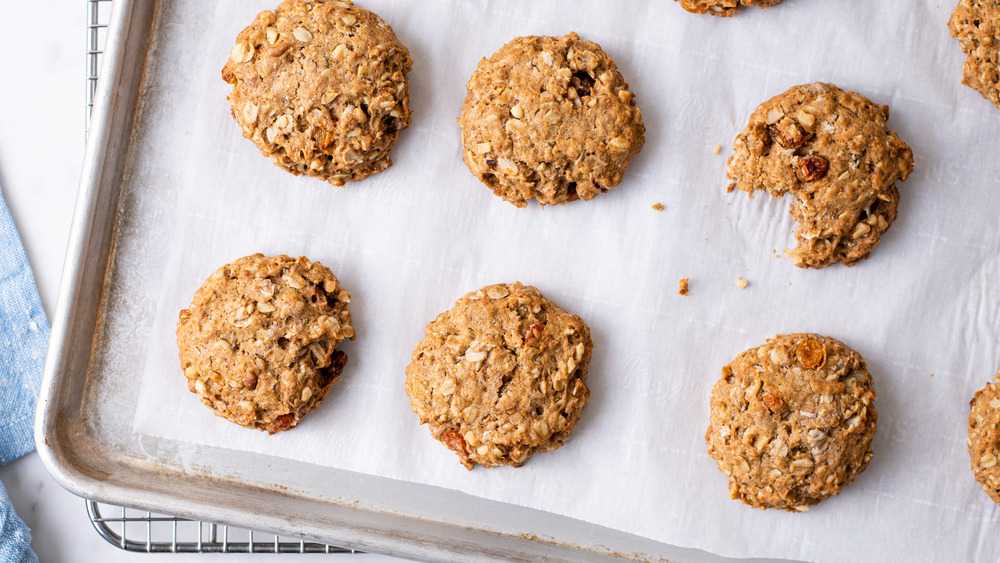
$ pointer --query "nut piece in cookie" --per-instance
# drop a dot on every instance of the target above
(501, 376)
(320, 87)
(549, 118)
(724, 8)
(833, 151)
(984, 438)
(976, 24)
(792, 421)
(258, 343)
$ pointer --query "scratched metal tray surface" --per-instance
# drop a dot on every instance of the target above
(88, 401)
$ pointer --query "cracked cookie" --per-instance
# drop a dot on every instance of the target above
(792, 421)
(258, 342)
(320, 87)
(724, 8)
(501, 376)
(976, 24)
(833, 151)
(984, 438)
(549, 118)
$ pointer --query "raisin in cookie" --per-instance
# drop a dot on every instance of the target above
(549, 118)
(833, 152)
(792, 421)
(724, 8)
(976, 23)
(984, 438)
(501, 376)
(320, 87)
(258, 343)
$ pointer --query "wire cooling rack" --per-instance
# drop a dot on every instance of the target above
(148, 532)
(142, 530)
(98, 12)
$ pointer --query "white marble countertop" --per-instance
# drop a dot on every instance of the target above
(41, 153)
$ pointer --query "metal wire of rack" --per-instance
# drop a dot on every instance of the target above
(98, 12)
(142, 530)
(148, 532)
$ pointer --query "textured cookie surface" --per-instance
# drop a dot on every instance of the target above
(549, 118)
(833, 151)
(501, 376)
(258, 343)
(984, 438)
(320, 87)
(724, 8)
(976, 24)
(792, 421)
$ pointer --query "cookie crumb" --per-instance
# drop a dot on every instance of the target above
(741, 283)
(658, 206)
(717, 149)
(682, 286)
(730, 188)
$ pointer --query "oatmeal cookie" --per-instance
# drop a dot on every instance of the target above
(549, 118)
(320, 87)
(258, 343)
(832, 150)
(984, 438)
(976, 24)
(792, 421)
(724, 8)
(501, 376)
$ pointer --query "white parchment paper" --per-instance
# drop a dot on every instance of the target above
(407, 243)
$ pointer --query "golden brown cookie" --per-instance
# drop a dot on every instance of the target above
(724, 8)
(320, 87)
(984, 438)
(833, 151)
(549, 118)
(501, 376)
(258, 343)
(792, 421)
(976, 23)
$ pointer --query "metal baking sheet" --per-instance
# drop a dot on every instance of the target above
(657, 353)
(84, 423)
